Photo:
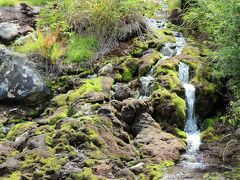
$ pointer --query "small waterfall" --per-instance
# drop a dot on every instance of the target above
(191, 158)
(146, 85)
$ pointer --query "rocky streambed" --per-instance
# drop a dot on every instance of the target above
(124, 119)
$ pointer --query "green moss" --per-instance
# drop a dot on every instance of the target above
(180, 106)
(60, 113)
(19, 129)
(130, 67)
(43, 130)
(89, 162)
(165, 36)
(17, 175)
(70, 150)
(209, 135)
(86, 174)
(140, 46)
(180, 133)
(210, 122)
(166, 67)
(2, 135)
(46, 163)
(155, 171)
(89, 86)
(194, 64)
(204, 81)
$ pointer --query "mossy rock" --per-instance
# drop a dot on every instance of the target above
(43, 163)
(165, 35)
(19, 129)
(169, 107)
(89, 86)
(156, 171)
(208, 88)
(147, 61)
(168, 64)
(86, 174)
(180, 133)
(129, 69)
(140, 45)
(209, 135)
(166, 74)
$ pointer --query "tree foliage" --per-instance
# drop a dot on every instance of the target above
(221, 21)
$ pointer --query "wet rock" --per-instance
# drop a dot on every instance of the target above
(19, 79)
(8, 32)
(117, 105)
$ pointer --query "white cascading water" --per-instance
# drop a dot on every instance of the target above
(191, 158)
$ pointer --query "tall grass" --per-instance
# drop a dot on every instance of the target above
(81, 48)
(109, 20)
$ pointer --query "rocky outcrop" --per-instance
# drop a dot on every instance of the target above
(20, 81)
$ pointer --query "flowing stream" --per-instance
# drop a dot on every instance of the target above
(191, 158)
(191, 165)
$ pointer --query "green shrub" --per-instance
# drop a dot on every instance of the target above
(81, 48)
(220, 21)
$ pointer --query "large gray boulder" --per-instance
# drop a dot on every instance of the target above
(19, 80)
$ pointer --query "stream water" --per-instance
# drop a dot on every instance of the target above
(191, 165)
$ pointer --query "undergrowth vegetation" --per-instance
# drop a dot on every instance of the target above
(14, 2)
(48, 44)
(77, 30)
(110, 20)
(220, 21)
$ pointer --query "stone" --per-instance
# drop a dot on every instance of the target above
(138, 168)
(158, 145)
(8, 32)
(132, 107)
(9, 166)
(37, 142)
(126, 173)
(121, 91)
(19, 80)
